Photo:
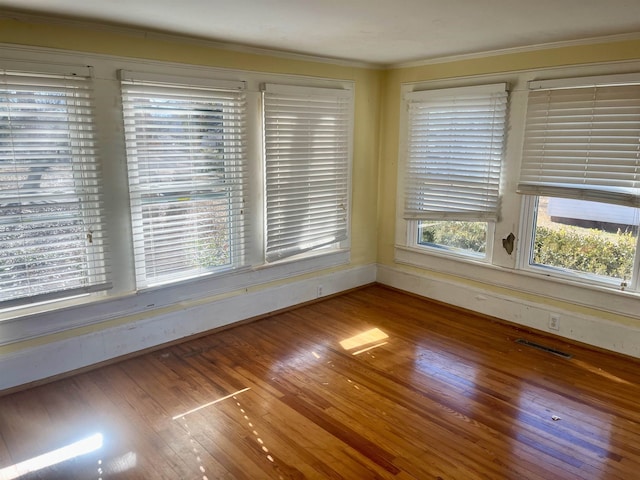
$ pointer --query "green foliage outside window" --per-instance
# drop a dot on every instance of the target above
(591, 251)
(471, 236)
(573, 248)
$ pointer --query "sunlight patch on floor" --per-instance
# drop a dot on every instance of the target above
(365, 341)
(81, 447)
(231, 395)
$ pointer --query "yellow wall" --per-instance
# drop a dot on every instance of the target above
(131, 44)
(377, 104)
(557, 57)
(494, 64)
(139, 45)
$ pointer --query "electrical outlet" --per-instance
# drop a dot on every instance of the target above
(319, 293)
(554, 321)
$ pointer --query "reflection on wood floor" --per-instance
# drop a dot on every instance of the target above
(373, 384)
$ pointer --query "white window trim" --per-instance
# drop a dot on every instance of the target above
(31, 321)
(528, 216)
(76, 84)
(231, 93)
(444, 250)
(347, 94)
(406, 234)
(529, 204)
(507, 271)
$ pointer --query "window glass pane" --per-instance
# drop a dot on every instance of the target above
(307, 155)
(586, 237)
(199, 226)
(51, 234)
(186, 157)
(462, 237)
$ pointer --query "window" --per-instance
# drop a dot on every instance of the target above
(581, 164)
(185, 142)
(592, 239)
(307, 155)
(454, 150)
(52, 238)
(467, 238)
(123, 190)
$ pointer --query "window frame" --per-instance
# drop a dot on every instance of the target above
(413, 231)
(178, 88)
(530, 205)
(32, 320)
(346, 97)
(530, 199)
(505, 272)
(88, 188)
(407, 229)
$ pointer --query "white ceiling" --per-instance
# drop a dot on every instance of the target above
(373, 31)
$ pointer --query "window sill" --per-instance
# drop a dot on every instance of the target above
(599, 297)
(445, 252)
(54, 317)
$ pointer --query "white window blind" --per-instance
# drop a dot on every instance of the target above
(583, 143)
(52, 238)
(187, 173)
(307, 151)
(454, 150)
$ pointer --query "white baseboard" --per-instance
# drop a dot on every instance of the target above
(188, 318)
(591, 330)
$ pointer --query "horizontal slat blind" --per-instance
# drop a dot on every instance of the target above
(52, 237)
(187, 174)
(583, 143)
(307, 145)
(455, 144)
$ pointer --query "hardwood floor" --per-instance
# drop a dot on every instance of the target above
(373, 384)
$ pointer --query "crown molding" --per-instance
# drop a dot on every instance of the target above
(515, 50)
(185, 39)
(290, 55)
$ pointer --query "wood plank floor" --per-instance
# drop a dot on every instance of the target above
(373, 384)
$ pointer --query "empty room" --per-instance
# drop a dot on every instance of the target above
(319, 240)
